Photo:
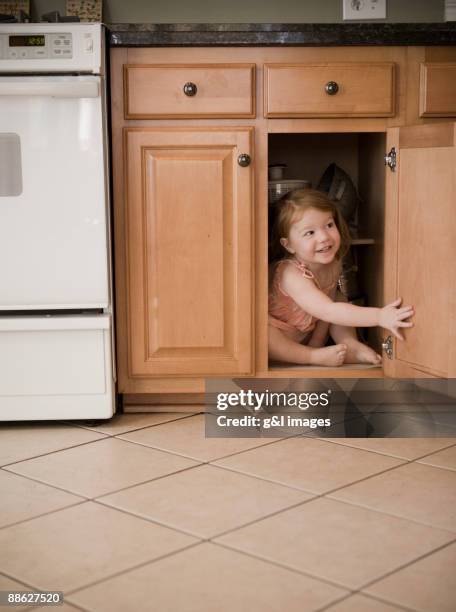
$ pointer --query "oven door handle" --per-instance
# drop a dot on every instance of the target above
(50, 89)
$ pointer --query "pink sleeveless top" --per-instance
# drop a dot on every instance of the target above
(284, 313)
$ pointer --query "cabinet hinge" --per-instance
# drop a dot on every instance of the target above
(390, 159)
(387, 346)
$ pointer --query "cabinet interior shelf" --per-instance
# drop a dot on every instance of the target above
(361, 241)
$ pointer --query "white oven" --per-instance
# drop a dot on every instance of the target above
(56, 349)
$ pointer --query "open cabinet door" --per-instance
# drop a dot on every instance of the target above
(420, 249)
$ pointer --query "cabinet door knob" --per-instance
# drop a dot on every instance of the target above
(331, 88)
(244, 160)
(190, 89)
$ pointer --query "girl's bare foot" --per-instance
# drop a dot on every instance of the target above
(329, 355)
(357, 352)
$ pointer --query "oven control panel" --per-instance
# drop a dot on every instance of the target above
(36, 46)
(59, 48)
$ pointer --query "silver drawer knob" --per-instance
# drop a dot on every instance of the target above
(190, 89)
(331, 88)
(244, 160)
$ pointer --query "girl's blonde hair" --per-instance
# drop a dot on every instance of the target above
(291, 207)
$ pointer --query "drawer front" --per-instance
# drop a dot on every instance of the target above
(329, 90)
(437, 90)
(186, 91)
(54, 356)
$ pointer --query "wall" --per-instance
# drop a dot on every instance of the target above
(245, 11)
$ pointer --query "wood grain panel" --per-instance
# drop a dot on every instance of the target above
(189, 251)
(435, 135)
(185, 237)
(156, 90)
(437, 89)
(365, 90)
(426, 250)
(391, 245)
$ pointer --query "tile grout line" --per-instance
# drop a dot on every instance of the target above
(355, 482)
(368, 596)
(32, 518)
(389, 602)
(286, 567)
(88, 428)
(307, 490)
(352, 591)
(105, 437)
(438, 467)
(204, 538)
(324, 496)
(270, 561)
(314, 495)
(405, 565)
(274, 441)
(28, 586)
(384, 454)
(148, 519)
(99, 500)
(77, 607)
(207, 460)
(132, 568)
(403, 518)
(327, 495)
(84, 497)
(257, 520)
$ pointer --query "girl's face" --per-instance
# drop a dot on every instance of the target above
(313, 238)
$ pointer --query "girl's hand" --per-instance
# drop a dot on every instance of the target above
(392, 317)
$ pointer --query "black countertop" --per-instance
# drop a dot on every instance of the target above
(278, 34)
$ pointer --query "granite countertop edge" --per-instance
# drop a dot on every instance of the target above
(278, 34)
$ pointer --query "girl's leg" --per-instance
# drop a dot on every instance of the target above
(282, 348)
(319, 335)
(357, 352)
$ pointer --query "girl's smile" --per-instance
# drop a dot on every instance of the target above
(314, 238)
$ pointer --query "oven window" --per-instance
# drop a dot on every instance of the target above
(10, 165)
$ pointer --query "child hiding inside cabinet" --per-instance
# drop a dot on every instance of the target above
(310, 238)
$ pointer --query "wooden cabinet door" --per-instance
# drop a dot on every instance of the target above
(189, 243)
(420, 247)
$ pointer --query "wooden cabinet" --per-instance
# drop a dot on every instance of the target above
(437, 89)
(431, 89)
(189, 206)
(421, 247)
(188, 90)
(191, 223)
(329, 90)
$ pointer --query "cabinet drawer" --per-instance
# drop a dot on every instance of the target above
(55, 367)
(329, 90)
(213, 90)
(437, 90)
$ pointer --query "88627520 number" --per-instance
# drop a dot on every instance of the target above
(17, 598)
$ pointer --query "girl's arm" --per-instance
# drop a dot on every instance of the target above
(304, 292)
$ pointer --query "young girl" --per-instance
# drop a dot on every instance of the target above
(304, 304)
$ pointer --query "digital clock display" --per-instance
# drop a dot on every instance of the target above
(27, 41)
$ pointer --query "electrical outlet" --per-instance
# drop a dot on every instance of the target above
(364, 9)
(450, 10)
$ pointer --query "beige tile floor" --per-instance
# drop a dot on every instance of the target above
(144, 513)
